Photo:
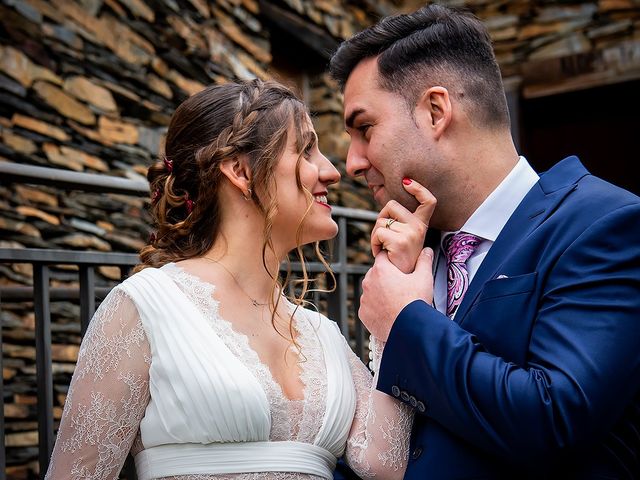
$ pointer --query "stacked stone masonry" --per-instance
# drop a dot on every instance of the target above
(90, 85)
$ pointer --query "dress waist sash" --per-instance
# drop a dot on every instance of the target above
(241, 457)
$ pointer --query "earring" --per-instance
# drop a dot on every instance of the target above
(247, 196)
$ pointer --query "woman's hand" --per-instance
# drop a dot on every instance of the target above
(401, 233)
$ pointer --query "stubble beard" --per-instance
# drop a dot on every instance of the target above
(407, 200)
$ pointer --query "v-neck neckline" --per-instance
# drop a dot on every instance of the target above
(242, 339)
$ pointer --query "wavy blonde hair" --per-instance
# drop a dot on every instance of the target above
(218, 123)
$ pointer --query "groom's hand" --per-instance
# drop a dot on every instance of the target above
(386, 291)
(401, 233)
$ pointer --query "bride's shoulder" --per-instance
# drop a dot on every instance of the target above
(144, 272)
(149, 281)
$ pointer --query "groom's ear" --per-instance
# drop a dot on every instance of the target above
(433, 110)
(237, 171)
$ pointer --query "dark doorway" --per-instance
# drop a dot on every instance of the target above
(601, 125)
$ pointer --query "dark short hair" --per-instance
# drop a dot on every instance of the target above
(434, 45)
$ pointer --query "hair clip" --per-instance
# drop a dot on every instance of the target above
(153, 236)
(155, 195)
(188, 203)
(168, 164)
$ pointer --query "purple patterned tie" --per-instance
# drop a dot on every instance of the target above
(457, 249)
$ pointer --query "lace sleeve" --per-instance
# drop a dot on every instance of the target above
(378, 443)
(107, 397)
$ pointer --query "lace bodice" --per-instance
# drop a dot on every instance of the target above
(109, 393)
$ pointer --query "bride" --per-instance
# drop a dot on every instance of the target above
(197, 364)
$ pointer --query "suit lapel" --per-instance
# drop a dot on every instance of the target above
(535, 208)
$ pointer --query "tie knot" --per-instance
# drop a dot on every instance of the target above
(459, 247)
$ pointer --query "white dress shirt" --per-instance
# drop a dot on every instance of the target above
(487, 222)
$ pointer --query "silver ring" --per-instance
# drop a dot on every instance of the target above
(390, 222)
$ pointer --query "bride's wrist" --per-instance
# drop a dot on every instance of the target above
(376, 348)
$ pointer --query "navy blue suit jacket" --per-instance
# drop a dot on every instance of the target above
(539, 374)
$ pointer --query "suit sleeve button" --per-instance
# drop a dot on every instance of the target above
(420, 406)
(404, 396)
(413, 402)
(395, 391)
(416, 453)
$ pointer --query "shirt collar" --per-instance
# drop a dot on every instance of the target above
(492, 215)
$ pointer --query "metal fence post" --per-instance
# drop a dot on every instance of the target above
(43, 365)
(125, 271)
(337, 301)
(361, 333)
(87, 296)
(3, 457)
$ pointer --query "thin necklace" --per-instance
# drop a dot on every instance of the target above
(253, 300)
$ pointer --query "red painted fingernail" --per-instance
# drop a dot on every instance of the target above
(406, 181)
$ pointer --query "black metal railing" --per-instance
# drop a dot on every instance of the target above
(41, 295)
(348, 283)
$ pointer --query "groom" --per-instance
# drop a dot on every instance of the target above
(522, 358)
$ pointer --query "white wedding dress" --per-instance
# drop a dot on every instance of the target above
(161, 374)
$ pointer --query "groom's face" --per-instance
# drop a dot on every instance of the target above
(387, 143)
